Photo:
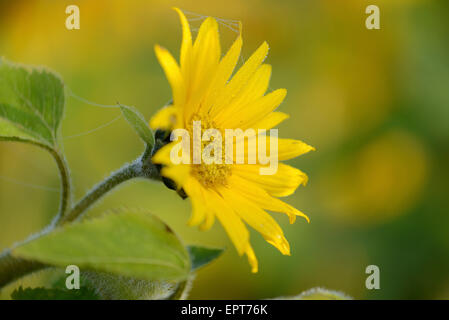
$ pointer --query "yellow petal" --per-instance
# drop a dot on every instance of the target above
(173, 74)
(283, 183)
(253, 90)
(162, 156)
(241, 78)
(210, 215)
(259, 196)
(287, 148)
(252, 259)
(256, 87)
(233, 225)
(186, 46)
(195, 192)
(178, 173)
(206, 56)
(207, 36)
(165, 118)
(255, 111)
(290, 148)
(224, 71)
(173, 153)
(257, 218)
(270, 121)
(208, 221)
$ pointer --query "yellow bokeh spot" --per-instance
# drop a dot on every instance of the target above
(383, 180)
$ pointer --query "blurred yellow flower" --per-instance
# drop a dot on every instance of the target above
(357, 193)
(201, 91)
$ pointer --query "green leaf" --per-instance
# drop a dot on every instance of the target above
(129, 243)
(31, 104)
(82, 293)
(137, 121)
(201, 256)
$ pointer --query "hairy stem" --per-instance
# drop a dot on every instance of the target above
(65, 184)
(140, 168)
(127, 172)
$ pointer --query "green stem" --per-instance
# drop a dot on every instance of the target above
(126, 173)
(140, 168)
(65, 184)
(12, 268)
(63, 173)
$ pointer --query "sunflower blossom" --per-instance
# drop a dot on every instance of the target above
(203, 90)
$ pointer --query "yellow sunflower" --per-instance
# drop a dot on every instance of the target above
(203, 89)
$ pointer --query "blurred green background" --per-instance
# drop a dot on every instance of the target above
(375, 104)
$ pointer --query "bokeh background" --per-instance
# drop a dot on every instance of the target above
(375, 104)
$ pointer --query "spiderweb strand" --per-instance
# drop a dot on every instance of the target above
(107, 124)
(94, 104)
(233, 25)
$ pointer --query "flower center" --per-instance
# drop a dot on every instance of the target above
(213, 174)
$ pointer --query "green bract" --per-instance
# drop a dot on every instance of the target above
(137, 121)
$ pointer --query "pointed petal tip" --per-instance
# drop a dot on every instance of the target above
(207, 223)
(209, 23)
(305, 179)
(159, 49)
(293, 213)
(179, 11)
(303, 215)
(284, 116)
(252, 260)
(307, 218)
(284, 251)
(203, 227)
(211, 20)
(286, 247)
